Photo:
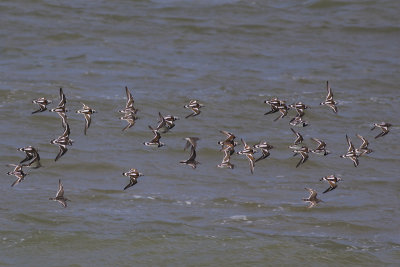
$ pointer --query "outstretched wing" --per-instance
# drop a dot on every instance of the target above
(130, 101)
(63, 150)
(329, 97)
(63, 100)
(88, 120)
(60, 191)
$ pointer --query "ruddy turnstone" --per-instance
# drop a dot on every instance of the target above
(274, 103)
(133, 175)
(283, 109)
(303, 151)
(226, 163)
(195, 106)
(321, 148)
(156, 139)
(384, 127)
(162, 124)
(63, 141)
(297, 142)
(363, 149)
(130, 117)
(300, 107)
(248, 151)
(42, 102)
(192, 143)
(329, 99)
(191, 161)
(351, 152)
(332, 180)
(32, 156)
(312, 198)
(17, 172)
(60, 195)
(166, 123)
(298, 121)
(230, 137)
(229, 143)
(169, 119)
(230, 147)
(61, 105)
(129, 108)
(87, 112)
(246, 148)
(264, 147)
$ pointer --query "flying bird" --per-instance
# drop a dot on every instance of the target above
(60, 195)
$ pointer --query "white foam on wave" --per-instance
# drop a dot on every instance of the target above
(278, 209)
(239, 217)
(184, 202)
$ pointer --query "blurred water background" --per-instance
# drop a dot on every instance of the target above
(231, 56)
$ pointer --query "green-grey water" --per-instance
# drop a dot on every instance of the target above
(231, 55)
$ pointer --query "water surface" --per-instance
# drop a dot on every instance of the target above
(231, 55)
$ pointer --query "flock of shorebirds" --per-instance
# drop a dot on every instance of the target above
(228, 145)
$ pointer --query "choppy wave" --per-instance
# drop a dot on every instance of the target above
(232, 56)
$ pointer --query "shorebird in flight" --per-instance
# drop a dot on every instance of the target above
(265, 148)
(129, 108)
(363, 149)
(248, 151)
(384, 126)
(312, 198)
(17, 172)
(87, 112)
(60, 195)
(133, 175)
(195, 106)
(321, 148)
(332, 181)
(351, 152)
(300, 107)
(61, 104)
(303, 151)
(32, 156)
(63, 141)
(42, 102)
(156, 139)
(297, 142)
(226, 161)
(329, 99)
